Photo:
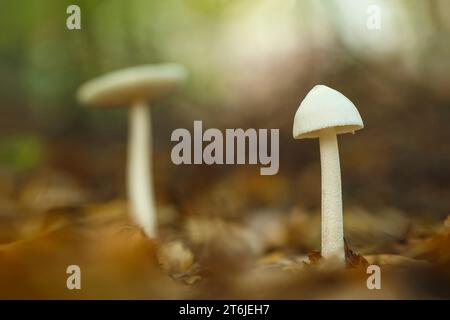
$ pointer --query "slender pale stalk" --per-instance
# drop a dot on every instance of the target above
(140, 182)
(332, 219)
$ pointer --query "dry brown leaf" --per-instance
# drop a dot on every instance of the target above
(354, 260)
(314, 256)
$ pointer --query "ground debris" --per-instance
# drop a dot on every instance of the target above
(354, 260)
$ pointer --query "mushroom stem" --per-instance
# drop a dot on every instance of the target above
(332, 220)
(140, 188)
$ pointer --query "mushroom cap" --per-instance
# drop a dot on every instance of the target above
(123, 87)
(323, 108)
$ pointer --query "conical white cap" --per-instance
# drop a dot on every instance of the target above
(322, 108)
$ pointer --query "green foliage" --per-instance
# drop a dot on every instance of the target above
(21, 152)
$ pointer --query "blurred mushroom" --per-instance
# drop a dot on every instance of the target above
(133, 87)
(323, 114)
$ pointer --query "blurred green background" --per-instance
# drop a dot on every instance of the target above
(251, 63)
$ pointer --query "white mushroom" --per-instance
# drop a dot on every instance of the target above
(134, 87)
(323, 114)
